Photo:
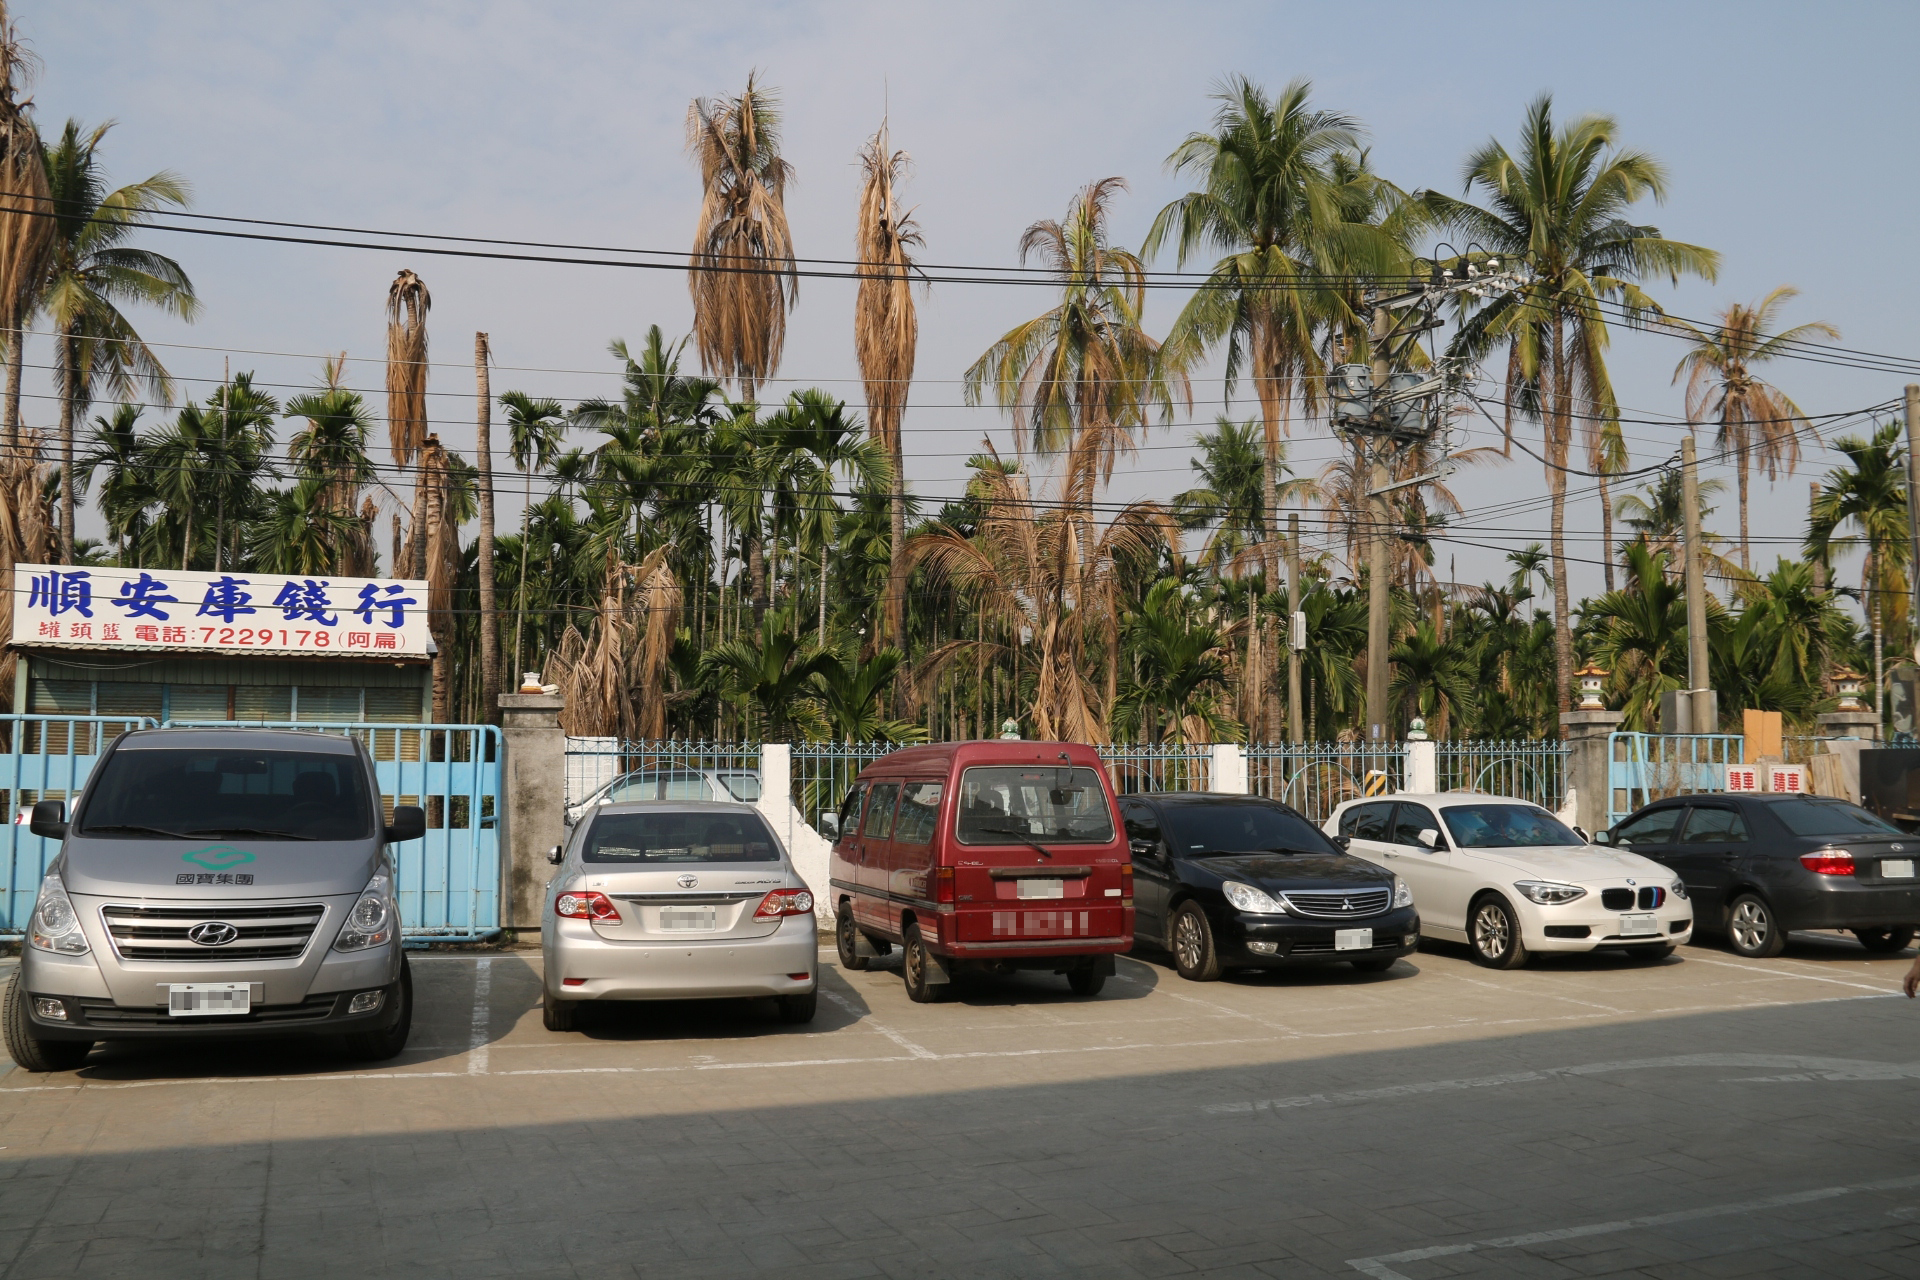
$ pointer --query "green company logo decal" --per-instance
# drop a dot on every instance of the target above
(218, 857)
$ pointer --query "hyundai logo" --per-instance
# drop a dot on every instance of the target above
(212, 933)
(688, 881)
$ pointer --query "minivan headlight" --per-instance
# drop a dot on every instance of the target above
(370, 921)
(1245, 897)
(1402, 895)
(56, 925)
(1549, 893)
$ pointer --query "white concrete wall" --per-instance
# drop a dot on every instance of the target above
(1228, 773)
(809, 850)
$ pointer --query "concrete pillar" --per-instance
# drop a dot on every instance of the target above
(811, 852)
(533, 787)
(1423, 766)
(1228, 772)
(1849, 724)
(1586, 735)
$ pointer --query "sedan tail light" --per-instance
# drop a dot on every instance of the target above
(1828, 862)
(588, 905)
(784, 902)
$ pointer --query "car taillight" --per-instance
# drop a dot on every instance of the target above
(591, 905)
(943, 884)
(784, 902)
(1828, 862)
(1126, 884)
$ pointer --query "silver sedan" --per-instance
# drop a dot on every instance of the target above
(677, 900)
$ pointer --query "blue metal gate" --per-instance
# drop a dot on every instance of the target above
(449, 881)
(1644, 767)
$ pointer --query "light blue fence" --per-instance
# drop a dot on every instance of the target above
(1644, 767)
(449, 881)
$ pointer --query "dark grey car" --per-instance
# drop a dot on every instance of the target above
(216, 882)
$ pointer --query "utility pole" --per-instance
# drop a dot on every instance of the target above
(1703, 707)
(1913, 508)
(1296, 725)
(1377, 573)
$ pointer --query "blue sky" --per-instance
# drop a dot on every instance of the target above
(1787, 130)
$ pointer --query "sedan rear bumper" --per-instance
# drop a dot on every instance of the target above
(592, 968)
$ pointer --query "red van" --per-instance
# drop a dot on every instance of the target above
(993, 856)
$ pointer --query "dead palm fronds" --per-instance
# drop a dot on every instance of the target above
(26, 533)
(437, 542)
(886, 333)
(26, 232)
(741, 274)
(407, 304)
(614, 683)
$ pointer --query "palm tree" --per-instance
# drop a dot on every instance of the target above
(1871, 494)
(1756, 422)
(886, 333)
(1232, 494)
(26, 232)
(483, 552)
(822, 448)
(331, 450)
(853, 698)
(773, 673)
(1640, 635)
(1087, 364)
(742, 274)
(1180, 672)
(1560, 206)
(1435, 677)
(236, 456)
(407, 305)
(127, 491)
(92, 271)
(534, 430)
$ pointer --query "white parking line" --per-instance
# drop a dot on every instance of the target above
(482, 1016)
(1377, 1266)
(1754, 966)
(918, 1051)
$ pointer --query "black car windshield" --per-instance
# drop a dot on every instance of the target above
(1505, 826)
(171, 792)
(1811, 817)
(651, 838)
(1021, 803)
(1242, 827)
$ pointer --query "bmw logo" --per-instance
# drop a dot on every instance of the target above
(212, 933)
(1633, 882)
(688, 881)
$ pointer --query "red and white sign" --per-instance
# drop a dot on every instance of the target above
(1790, 778)
(80, 607)
(1743, 777)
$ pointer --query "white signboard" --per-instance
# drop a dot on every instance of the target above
(73, 607)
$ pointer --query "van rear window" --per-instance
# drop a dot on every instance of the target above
(647, 839)
(168, 792)
(1012, 804)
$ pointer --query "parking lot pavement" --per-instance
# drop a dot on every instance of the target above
(1705, 1116)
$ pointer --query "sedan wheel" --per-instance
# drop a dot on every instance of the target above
(1885, 940)
(1193, 952)
(1752, 929)
(1494, 932)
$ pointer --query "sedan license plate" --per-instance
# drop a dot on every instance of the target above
(1896, 868)
(1039, 888)
(1638, 926)
(202, 999)
(1352, 939)
(689, 919)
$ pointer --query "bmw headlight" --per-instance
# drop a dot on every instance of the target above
(371, 919)
(1549, 893)
(1402, 895)
(1245, 897)
(55, 924)
(1678, 889)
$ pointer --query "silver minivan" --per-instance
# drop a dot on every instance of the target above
(216, 882)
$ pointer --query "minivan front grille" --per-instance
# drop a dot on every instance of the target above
(1337, 904)
(105, 1013)
(165, 933)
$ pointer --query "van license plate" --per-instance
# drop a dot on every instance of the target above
(202, 999)
(1638, 926)
(1352, 939)
(1896, 868)
(1040, 888)
(689, 919)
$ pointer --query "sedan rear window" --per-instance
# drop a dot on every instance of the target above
(1505, 826)
(1811, 817)
(1242, 828)
(181, 793)
(653, 838)
(1017, 803)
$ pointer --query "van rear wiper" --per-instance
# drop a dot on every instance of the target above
(1021, 836)
(132, 829)
(249, 831)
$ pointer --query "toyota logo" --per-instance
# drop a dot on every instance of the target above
(688, 881)
(212, 933)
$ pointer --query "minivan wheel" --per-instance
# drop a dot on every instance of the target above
(29, 1052)
(1194, 956)
(1752, 930)
(915, 964)
(1494, 932)
(378, 1046)
(798, 1009)
(846, 939)
(1087, 981)
(558, 1015)
(1885, 940)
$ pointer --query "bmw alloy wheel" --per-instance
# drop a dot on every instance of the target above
(1491, 931)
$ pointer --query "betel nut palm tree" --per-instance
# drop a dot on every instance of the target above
(92, 272)
(26, 232)
(886, 333)
(534, 431)
(1754, 421)
(1870, 495)
(742, 273)
(407, 305)
(330, 460)
(1559, 204)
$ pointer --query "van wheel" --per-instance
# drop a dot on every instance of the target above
(1885, 940)
(1752, 929)
(1194, 956)
(558, 1015)
(1087, 981)
(915, 965)
(1494, 932)
(28, 1051)
(378, 1046)
(798, 1009)
(846, 939)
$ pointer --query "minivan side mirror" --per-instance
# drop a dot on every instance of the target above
(555, 854)
(1430, 837)
(1602, 837)
(49, 819)
(409, 823)
(829, 826)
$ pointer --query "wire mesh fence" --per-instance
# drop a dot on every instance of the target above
(1135, 767)
(1316, 777)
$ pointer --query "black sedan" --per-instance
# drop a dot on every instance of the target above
(1759, 866)
(1227, 882)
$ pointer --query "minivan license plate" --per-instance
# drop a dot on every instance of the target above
(201, 999)
(1638, 926)
(1896, 868)
(1352, 939)
(690, 919)
(1040, 888)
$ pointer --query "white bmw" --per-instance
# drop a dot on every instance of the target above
(1508, 878)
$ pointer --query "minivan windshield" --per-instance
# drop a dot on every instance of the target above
(1810, 817)
(1021, 803)
(1505, 826)
(189, 792)
(1245, 827)
(646, 839)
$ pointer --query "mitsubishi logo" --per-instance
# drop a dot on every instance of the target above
(1346, 904)
(212, 933)
(688, 881)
